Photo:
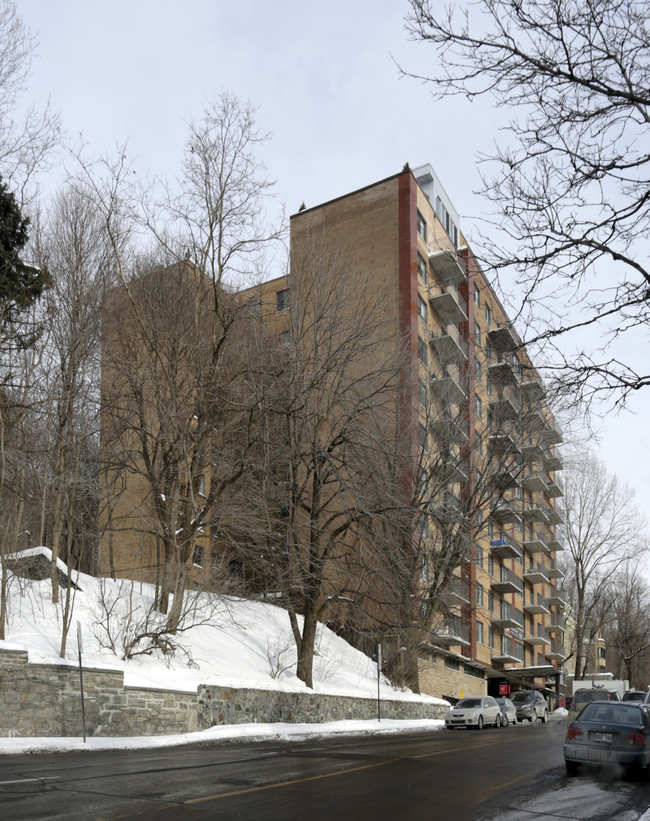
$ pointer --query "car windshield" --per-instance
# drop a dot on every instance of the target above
(618, 713)
(634, 697)
(590, 695)
(520, 698)
(468, 703)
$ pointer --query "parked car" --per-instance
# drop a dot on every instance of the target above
(635, 695)
(476, 711)
(608, 732)
(508, 711)
(586, 696)
(530, 704)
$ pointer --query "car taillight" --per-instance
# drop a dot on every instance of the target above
(573, 732)
(635, 738)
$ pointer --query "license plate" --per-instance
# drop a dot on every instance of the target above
(603, 738)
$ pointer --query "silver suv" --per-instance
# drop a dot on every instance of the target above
(530, 704)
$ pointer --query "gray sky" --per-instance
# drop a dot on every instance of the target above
(325, 81)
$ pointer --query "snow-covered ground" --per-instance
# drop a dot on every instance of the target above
(235, 643)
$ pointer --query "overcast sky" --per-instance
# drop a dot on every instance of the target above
(325, 81)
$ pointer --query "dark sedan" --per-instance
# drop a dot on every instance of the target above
(609, 733)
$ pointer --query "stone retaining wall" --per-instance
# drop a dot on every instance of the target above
(44, 700)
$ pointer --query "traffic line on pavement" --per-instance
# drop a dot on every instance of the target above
(29, 780)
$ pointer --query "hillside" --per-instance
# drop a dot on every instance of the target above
(237, 643)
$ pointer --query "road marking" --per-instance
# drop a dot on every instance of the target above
(29, 780)
(289, 783)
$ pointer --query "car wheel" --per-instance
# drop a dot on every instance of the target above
(504, 720)
(498, 721)
(571, 768)
(479, 723)
(545, 717)
(532, 718)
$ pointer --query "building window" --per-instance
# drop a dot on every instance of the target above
(477, 297)
(422, 227)
(479, 595)
(488, 315)
(284, 337)
(422, 393)
(202, 485)
(282, 300)
(491, 637)
(491, 601)
(422, 351)
(452, 664)
(199, 556)
(422, 309)
(479, 632)
(422, 435)
(478, 370)
(477, 335)
(479, 408)
(422, 268)
(491, 565)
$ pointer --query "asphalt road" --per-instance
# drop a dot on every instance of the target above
(512, 773)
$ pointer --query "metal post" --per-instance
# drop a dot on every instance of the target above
(81, 680)
(379, 666)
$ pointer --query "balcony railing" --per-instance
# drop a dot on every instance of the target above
(504, 548)
(448, 348)
(448, 266)
(507, 582)
(503, 339)
(454, 631)
(448, 308)
(509, 651)
(505, 513)
(536, 574)
(535, 482)
(508, 616)
(537, 606)
(457, 591)
(448, 389)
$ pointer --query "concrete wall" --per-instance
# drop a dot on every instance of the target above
(44, 700)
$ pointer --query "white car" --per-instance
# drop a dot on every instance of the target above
(475, 711)
(508, 711)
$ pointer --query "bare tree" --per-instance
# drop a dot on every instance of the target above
(174, 335)
(331, 376)
(26, 144)
(75, 248)
(603, 532)
(570, 185)
(628, 631)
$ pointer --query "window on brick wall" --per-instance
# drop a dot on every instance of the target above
(423, 353)
(422, 268)
(422, 227)
(422, 309)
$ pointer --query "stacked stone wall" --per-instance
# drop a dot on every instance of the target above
(40, 700)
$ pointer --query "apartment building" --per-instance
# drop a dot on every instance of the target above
(478, 397)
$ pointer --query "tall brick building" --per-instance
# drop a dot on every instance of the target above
(504, 625)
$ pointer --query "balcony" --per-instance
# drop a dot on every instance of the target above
(535, 482)
(447, 389)
(556, 653)
(502, 373)
(554, 516)
(554, 546)
(507, 582)
(449, 431)
(447, 307)
(532, 388)
(537, 638)
(446, 265)
(503, 410)
(449, 350)
(556, 599)
(502, 444)
(552, 462)
(456, 471)
(555, 572)
(532, 450)
(503, 339)
(504, 548)
(554, 489)
(537, 607)
(508, 617)
(535, 514)
(505, 513)
(557, 625)
(505, 477)
(537, 574)
(509, 651)
(453, 632)
(533, 420)
(457, 592)
(553, 435)
(536, 545)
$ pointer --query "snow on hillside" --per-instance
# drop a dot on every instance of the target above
(240, 644)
